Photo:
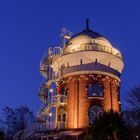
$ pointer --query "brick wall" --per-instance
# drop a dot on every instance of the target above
(78, 103)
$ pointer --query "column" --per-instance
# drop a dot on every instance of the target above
(83, 103)
(107, 94)
(115, 92)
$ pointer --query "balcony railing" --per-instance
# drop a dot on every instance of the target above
(95, 47)
(39, 128)
(89, 67)
(59, 99)
(34, 129)
(55, 101)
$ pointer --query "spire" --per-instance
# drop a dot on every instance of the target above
(87, 24)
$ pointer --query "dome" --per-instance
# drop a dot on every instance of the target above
(89, 40)
(86, 36)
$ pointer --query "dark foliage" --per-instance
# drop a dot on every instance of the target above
(1, 135)
(110, 126)
(132, 113)
(16, 120)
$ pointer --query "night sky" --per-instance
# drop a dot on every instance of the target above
(29, 27)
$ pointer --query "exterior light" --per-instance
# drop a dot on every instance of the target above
(50, 114)
(51, 90)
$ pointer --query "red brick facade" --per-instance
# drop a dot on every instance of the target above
(78, 103)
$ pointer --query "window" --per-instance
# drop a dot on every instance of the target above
(96, 61)
(63, 91)
(59, 117)
(89, 90)
(94, 89)
(97, 90)
(81, 62)
(94, 113)
(62, 118)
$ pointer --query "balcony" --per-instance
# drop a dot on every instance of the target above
(88, 68)
(98, 46)
(61, 99)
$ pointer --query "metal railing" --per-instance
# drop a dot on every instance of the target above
(95, 47)
(59, 99)
(38, 128)
(55, 101)
(89, 67)
(34, 129)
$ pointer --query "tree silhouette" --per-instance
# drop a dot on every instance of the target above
(110, 126)
(132, 113)
(16, 120)
(1, 135)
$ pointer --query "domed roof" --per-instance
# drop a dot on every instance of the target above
(86, 36)
(89, 40)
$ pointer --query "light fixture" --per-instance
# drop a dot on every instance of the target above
(50, 114)
(51, 90)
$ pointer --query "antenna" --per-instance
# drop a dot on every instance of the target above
(87, 24)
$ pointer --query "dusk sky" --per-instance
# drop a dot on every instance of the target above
(29, 27)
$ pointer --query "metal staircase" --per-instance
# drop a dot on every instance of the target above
(46, 70)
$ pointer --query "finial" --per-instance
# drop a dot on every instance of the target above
(87, 24)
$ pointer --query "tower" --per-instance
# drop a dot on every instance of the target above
(82, 81)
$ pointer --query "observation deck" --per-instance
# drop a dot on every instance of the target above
(98, 46)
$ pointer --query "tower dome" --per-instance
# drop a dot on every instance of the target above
(89, 40)
(87, 36)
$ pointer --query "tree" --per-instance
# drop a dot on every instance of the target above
(16, 120)
(110, 126)
(132, 113)
(133, 109)
(8, 121)
(1, 135)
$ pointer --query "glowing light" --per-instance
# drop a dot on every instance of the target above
(67, 36)
(50, 114)
(51, 90)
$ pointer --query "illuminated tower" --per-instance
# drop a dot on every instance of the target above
(82, 80)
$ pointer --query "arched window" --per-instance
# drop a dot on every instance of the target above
(62, 119)
(89, 90)
(94, 112)
(59, 117)
(91, 116)
(63, 91)
(95, 89)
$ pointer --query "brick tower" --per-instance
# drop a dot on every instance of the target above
(82, 80)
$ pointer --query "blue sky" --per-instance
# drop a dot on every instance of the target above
(29, 27)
